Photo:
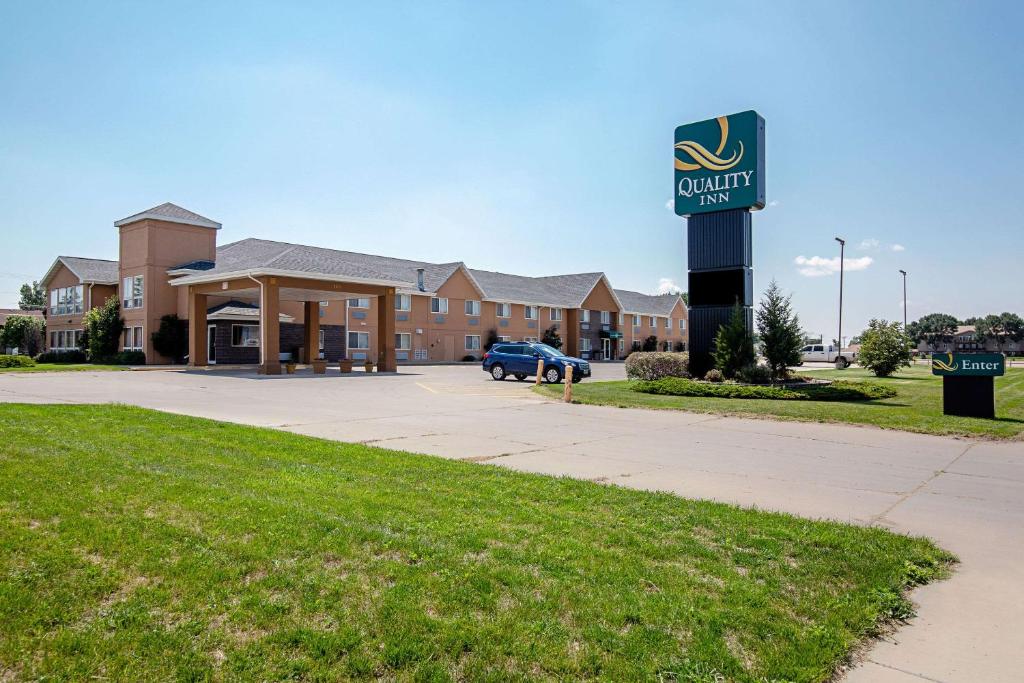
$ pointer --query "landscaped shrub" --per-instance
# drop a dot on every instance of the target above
(16, 362)
(468, 358)
(836, 391)
(734, 345)
(74, 356)
(754, 374)
(713, 375)
(129, 358)
(644, 365)
(171, 339)
(884, 348)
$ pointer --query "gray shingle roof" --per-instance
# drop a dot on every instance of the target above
(256, 254)
(240, 310)
(646, 304)
(565, 291)
(95, 270)
(170, 212)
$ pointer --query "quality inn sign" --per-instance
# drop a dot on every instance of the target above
(720, 164)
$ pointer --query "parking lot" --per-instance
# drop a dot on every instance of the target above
(968, 495)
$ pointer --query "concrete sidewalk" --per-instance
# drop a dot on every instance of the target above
(966, 494)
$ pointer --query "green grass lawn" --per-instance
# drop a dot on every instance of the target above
(65, 367)
(146, 546)
(917, 406)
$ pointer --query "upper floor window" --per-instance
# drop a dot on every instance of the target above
(403, 341)
(503, 310)
(131, 292)
(362, 302)
(585, 315)
(66, 300)
(668, 323)
(682, 324)
(556, 314)
(403, 302)
(606, 317)
(472, 307)
(636, 321)
(531, 312)
(621, 318)
(438, 305)
(654, 321)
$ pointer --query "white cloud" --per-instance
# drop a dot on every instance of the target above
(774, 202)
(898, 247)
(818, 266)
(869, 243)
(671, 205)
(667, 285)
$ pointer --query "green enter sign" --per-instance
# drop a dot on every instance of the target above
(968, 364)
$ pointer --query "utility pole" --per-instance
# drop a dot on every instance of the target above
(842, 251)
(904, 274)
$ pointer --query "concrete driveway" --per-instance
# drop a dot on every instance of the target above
(966, 494)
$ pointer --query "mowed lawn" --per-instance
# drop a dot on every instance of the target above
(146, 546)
(66, 367)
(917, 407)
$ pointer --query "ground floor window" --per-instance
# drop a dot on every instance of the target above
(358, 340)
(245, 335)
(64, 340)
(504, 338)
(132, 339)
(622, 345)
(321, 343)
(585, 344)
(530, 340)
(403, 341)
(472, 342)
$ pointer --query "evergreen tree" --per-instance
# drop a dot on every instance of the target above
(779, 328)
(734, 347)
(171, 339)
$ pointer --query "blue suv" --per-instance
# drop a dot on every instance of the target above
(519, 359)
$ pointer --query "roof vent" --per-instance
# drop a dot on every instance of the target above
(419, 279)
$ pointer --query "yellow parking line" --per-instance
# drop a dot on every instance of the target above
(424, 386)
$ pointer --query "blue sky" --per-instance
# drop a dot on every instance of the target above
(528, 137)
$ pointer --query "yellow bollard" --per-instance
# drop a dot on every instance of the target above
(540, 371)
(567, 396)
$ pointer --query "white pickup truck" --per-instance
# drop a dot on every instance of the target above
(827, 353)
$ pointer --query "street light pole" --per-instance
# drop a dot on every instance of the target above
(904, 274)
(842, 251)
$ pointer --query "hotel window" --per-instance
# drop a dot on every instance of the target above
(530, 312)
(472, 342)
(585, 315)
(682, 324)
(530, 340)
(66, 300)
(320, 343)
(622, 345)
(504, 338)
(438, 305)
(654, 321)
(362, 302)
(636, 321)
(472, 307)
(403, 341)
(606, 317)
(403, 302)
(503, 310)
(358, 340)
(556, 314)
(585, 344)
(245, 335)
(668, 323)
(131, 292)
(622, 318)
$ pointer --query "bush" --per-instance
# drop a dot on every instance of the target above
(650, 344)
(884, 348)
(836, 391)
(679, 347)
(713, 375)
(171, 340)
(16, 362)
(468, 358)
(552, 338)
(103, 327)
(734, 345)
(24, 333)
(653, 365)
(754, 374)
(61, 357)
(128, 358)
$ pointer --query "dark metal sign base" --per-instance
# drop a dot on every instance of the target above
(968, 396)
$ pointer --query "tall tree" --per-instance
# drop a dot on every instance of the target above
(779, 329)
(103, 327)
(24, 332)
(33, 297)
(734, 347)
(933, 328)
(884, 348)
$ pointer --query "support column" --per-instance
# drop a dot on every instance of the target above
(196, 329)
(386, 331)
(270, 328)
(572, 332)
(311, 330)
